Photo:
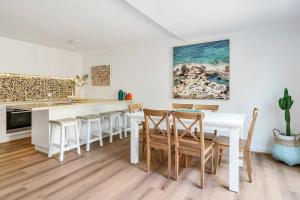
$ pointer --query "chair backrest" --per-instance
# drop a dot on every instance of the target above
(136, 107)
(251, 128)
(182, 106)
(159, 129)
(213, 108)
(195, 138)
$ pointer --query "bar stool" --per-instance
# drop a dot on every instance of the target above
(125, 123)
(113, 117)
(89, 137)
(64, 125)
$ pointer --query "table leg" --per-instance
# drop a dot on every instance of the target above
(242, 136)
(234, 160)
(134, 139)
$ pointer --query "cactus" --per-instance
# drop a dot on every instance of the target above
(285, 104)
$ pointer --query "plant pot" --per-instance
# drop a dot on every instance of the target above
(286, 148)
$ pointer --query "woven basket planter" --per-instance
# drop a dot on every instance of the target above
(286, 148)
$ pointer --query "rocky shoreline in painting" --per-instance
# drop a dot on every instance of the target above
(214, 82)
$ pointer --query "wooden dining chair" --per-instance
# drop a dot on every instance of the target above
(222, 142)
(182, 106)
(138, 107)
(212, 108)
(191, 143)
(158, 134)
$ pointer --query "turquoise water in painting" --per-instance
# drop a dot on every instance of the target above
(204, 53)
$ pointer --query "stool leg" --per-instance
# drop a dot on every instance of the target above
(120, 126)
(67, 136)
(100, 133)
(110, 130)
(77, 138)
(79, 127)
(125, 125)
(62, 143)
(51, 141)
(88, 137)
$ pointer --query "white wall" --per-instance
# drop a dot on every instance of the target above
(27, 58)
(262, 63)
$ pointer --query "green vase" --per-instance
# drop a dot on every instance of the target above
(120, 95)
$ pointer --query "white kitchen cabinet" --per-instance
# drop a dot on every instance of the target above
(2, 121)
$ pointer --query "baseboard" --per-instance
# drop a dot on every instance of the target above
(15, 136)
(261, 149)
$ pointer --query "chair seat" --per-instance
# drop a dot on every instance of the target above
(123, 111)
(64, 121)
(111, 114)
(210, 136)
(207, 136)
(88, 117)
(193, 145)
(224, 141)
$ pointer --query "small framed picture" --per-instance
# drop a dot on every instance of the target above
(101, 75)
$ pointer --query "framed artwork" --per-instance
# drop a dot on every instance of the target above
(201, 71)
(101, 75)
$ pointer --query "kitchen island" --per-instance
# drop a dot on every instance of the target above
(42, 112)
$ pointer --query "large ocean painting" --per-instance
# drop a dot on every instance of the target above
(201, 71)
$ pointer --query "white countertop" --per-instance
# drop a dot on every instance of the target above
(45, 105)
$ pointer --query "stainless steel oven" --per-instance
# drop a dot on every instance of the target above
(17, 120)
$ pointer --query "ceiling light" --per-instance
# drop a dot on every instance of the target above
(75, 42)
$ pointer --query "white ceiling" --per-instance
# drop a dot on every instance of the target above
(189, 18)
(108, 24)
(101, 24)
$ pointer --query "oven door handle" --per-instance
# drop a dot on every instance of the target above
(20, 112)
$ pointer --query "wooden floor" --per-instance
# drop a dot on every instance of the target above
(107, 174)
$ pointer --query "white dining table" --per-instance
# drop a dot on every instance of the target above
(232, 122)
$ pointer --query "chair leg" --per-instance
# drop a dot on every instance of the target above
(217, 151)
(186, 160)
(100, 133)
(212, 169)
(169, 163)
(88, 136)
(148, 158)
(247, 161)
(144, 144)
(250, 161)
(220, 156)
(153, 157)
(144, 139)
(202, 170)
(77, 138)
(62, 144)
(161, 155)
(176, 164)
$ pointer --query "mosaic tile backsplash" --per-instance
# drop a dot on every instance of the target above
(17, 87)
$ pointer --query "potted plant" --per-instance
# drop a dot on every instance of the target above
(286, 145)
(80, 81)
